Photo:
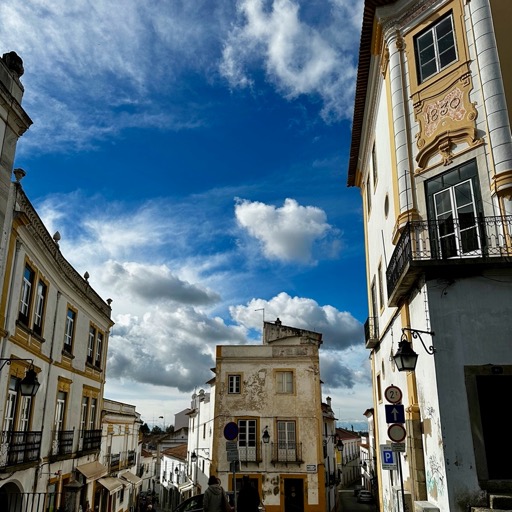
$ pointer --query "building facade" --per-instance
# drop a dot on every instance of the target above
(268, 414)
(431, 152)
(54, 327)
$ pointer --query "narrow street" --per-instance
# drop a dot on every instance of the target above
(347, 502)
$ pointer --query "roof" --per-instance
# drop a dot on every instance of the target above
(178, 452)
(363, 72)
(345, 434)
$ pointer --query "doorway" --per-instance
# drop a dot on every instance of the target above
(293, 495)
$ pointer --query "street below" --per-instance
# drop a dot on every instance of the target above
(347, 502)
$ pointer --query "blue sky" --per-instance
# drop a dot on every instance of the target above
(193, 157)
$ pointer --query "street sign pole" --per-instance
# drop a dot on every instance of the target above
(401, 479)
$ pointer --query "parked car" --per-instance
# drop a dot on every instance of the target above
(364, 497)
(357, 488)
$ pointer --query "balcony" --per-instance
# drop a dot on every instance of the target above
(449, 248)
(371, 332)
(249, 454)
(62, 444)
(19, 448)
(90, 441)
(287, 453)
(131, 457)
(114, 462)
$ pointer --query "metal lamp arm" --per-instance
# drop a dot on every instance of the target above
(416, 334)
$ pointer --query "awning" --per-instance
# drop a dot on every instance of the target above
(92, 470)
(185, 487)
(111, 484)
(133, 479)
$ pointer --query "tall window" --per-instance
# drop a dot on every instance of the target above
(286, 441)
(83, 413)
(10, 406)
(234, 383)
(99, 349)
(69, 332)
(435, 48)
(381, 286)
(18, 409)
(40, 306)
(246, 433)
(90, 344)
(92, 414)
(60, 410)
(26, 294)
(374, 167)
(284, 381)
(26, 407)
(454, 204)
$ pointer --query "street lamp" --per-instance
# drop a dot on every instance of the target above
(405, 358)
(29, 384)
(266, 436)
(193, 457)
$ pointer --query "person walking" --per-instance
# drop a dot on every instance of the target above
(248, 499)
(215, 499)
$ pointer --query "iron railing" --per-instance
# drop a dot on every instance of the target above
(448, 240)
(249, 454)
(90, 440)
(287, 452)
(62, 442)
(131, 457)
(371, 331)
(28, 502)
(19, 448)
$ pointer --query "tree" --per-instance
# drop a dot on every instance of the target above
(156, 430)
(145, 429)
(170, 429)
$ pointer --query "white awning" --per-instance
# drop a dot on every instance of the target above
(111, 484)
(185, 487)
(92, 471)
(133, 479)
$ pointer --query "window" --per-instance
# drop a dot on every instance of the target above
(26, 294)
(92, 414)
(247, 444)
(91, 344)
(60, 411)
(39, 307)
(381, 287)
(435, 48)
(284, 382)
(234, 383)
(454, 205)
(18, 409)
(69, 332)
(374, 166)
(368, 196)
(99, 349)
(83, 413)
(286, 440)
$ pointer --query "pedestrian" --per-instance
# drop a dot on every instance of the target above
(248, 499)
(215, 499)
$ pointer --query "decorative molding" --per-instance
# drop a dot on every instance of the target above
(446, 117)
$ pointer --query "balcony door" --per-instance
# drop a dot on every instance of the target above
(454, 207)
(286, 441)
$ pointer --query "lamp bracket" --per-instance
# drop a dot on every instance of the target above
(9, 360)
(416, 334)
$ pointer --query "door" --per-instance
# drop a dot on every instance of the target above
(293, 495)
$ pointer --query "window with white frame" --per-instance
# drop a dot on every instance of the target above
(286, 441)
(234, 383)
(60, 411)
(26, 294)
(91, 344)
(99, 349)
(284, 381)
(435, 48)
(247, 429)
(39, 307)
(69, 331)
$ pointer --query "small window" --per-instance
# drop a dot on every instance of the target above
(368, 196)
(435, 48)
(381, 287)
(284, 382)
(69, 332)
(374, 167)
(234, 384)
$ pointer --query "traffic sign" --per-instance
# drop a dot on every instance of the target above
(398, 447)
(393, 394)
(396, 432)
(395, 413)
(232, 455)
(387, 457)
(231, 431)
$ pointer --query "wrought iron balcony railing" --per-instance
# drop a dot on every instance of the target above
(131, 457)
(440, 243)
(249, 454)
(287, 453)
(89, 441)
(371, 331)
(20, 448)
(62, 442)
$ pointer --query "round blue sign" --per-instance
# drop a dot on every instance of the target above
(231, 431)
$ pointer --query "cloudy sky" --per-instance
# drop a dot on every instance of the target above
(193, 156)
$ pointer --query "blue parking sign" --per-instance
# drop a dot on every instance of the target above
(388, 457)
